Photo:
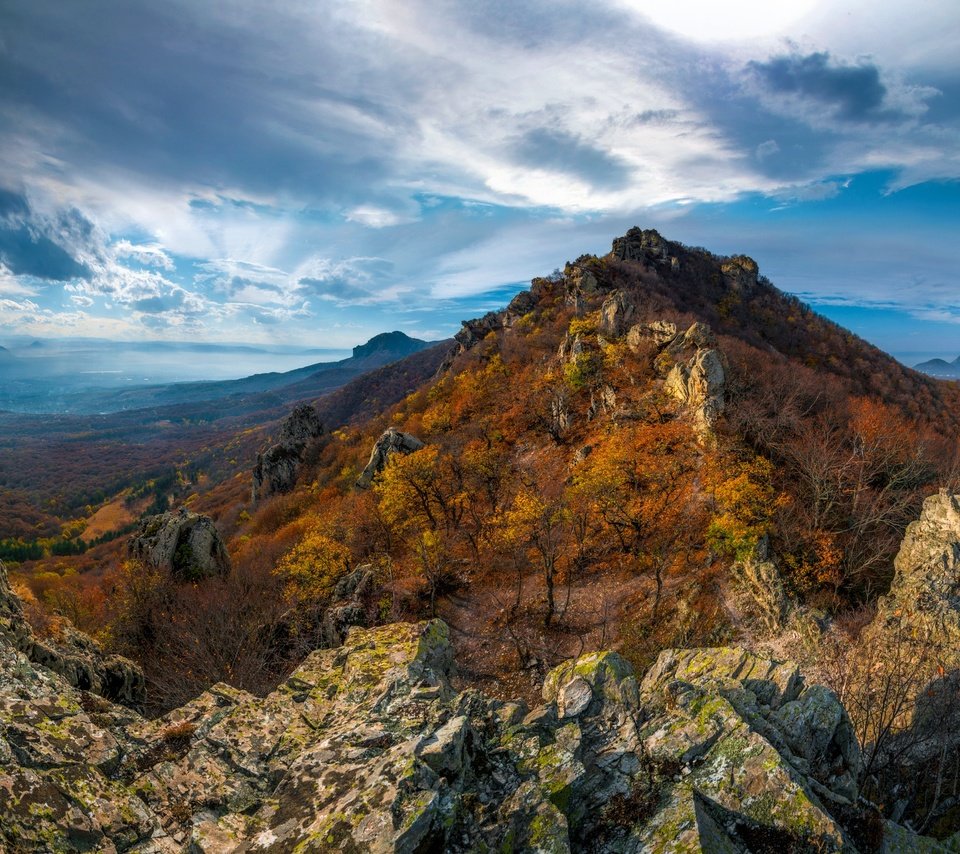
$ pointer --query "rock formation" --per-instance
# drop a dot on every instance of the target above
(740, 274)
(77, 659)
(186, 544)
(368, 747)
(347, 608)
(277, 467)
(615, 314)
(658, 333)
(926, 586)
(391, 441)
(641, 245)
(699, 382)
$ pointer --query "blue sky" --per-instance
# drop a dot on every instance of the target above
(314, 173)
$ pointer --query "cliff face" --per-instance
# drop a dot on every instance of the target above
(369, 747)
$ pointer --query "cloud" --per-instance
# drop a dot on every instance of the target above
(854, 92)
(556, 150)
(767, 149)
(350, 281)
(32, 246)
(358, 160)
(376, 217)
(148, 254)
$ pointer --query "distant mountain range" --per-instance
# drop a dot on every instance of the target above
(941, 368)
(24, 393)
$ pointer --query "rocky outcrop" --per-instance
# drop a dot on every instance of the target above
(657, 333)
(582, 280)
(740, 274)
(758, 578)
(698, 382)
(369, 748)
(277, 467)
(927, 581)
(186, 544)
(616, 313)
(347, 608)
(391, 441)
(643, 245)
(77, 659)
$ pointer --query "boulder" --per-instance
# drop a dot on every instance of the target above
(391, 441)
(278, 466)
(186, 544)
(659, 333)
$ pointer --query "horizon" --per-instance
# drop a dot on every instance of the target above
(909, 358)
(276, 174)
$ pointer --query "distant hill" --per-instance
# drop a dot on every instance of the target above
(25, 393)
(940, 368)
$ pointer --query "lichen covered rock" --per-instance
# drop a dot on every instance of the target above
(186, 544)
(368, 747)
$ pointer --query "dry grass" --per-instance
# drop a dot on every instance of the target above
(111, 517)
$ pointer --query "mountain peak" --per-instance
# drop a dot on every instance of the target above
(396, 342)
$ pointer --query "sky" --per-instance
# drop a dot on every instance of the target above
(313, 173)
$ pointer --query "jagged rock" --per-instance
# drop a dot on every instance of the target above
(615, 314)
(731, 718)
(521, 304)
(368, 748)
(758, 577)
(73, 656)
(927, 580)
(472, 332)
(582, 279)
(740, 274)
(920, 619)
(659, 332)
(559, 414)
(391, 441)
(603, 399)
(698, 337)
(570, 347)
(187, 544)
(698, 384)
(277, 467)
(641, 245)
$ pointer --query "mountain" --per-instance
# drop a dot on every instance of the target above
(653, 462)
(30, 394)
(940, 368)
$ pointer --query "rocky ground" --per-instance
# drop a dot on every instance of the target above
(368, 747)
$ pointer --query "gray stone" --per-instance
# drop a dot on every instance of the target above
(186, 544)
(391, 441)
(277, 467)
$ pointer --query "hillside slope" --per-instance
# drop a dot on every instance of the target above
(654, 449)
